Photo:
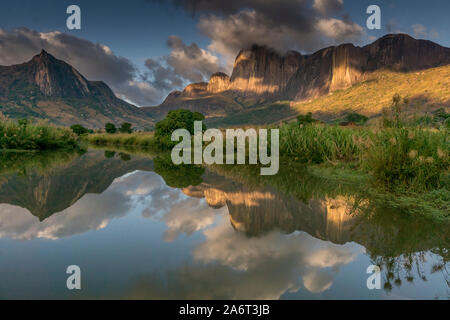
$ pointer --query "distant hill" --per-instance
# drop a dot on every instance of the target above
(266, 86)
(48, 88)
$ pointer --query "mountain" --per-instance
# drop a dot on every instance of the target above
(48, 88)
(45, 192)
(262, 77)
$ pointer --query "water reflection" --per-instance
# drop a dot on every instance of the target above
(196, 233)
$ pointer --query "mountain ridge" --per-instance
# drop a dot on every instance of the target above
(48, 88)
(260, 74)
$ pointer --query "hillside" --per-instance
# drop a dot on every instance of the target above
(48, 88)
(262, 77)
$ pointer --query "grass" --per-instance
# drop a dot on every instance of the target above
(145, 139)
(24, 135)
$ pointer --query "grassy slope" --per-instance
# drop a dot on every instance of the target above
(426, 91)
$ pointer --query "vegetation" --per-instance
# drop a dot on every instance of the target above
(140, 139)
(125, 128)
(305, 119)
(80, 130)
(177, 119)
(110, 128)
(178, 176)
(24, 135)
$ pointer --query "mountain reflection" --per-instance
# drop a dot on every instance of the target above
(257, 242)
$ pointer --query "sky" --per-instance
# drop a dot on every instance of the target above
(144, 49)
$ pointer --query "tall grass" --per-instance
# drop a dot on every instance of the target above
(24, 135)
(411, 157)
(320, 143)
(123, 139)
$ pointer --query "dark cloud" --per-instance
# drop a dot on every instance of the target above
(94, 60)
(184, 64)
(304, 25)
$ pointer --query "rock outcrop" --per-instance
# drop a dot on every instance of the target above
(262, 73)
(219, 82)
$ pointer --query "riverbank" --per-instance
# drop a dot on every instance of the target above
(25, 135)
(403, 167)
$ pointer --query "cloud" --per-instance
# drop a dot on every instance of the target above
(422, 31)
(301, 25)
(95, 61)
(184, 64)
(328, 6)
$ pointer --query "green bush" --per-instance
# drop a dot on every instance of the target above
(177, 119)
(125, 128)
(110, 128)
(28, 136)
(79, 129)
(305, 119)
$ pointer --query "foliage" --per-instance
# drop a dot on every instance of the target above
(320, 143)
(305, 119)
(410, 157)
(125, 128)
(39, 136)
(176, 119)
(79, 129)
(110, 128)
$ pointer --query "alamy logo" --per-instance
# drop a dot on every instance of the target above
(213, 153)
(374, 281)
(74, 280)
(74, 20)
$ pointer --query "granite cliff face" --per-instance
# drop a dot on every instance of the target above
(261, 73)
(48, 88)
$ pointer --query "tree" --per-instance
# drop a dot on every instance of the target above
(305, 119)
(79, 129)
(176, 119)
(110, 128)
(125, 128)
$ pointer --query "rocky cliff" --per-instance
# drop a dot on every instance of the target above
(261, 73)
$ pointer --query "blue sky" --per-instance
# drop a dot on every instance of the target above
(148, 63)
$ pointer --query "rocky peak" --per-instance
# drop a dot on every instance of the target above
(263, 71)
(218, 82)
(56, 78)
(195, 89)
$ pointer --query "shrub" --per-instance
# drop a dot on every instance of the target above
(28, 136)
(305, 119)
(79, 129)
(177, 119)
(125, 128)
(110, 128)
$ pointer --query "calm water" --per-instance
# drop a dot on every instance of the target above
(138, 229)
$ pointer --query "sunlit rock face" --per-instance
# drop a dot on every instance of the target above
(340, 67)
(219, 82)
(263, 71)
